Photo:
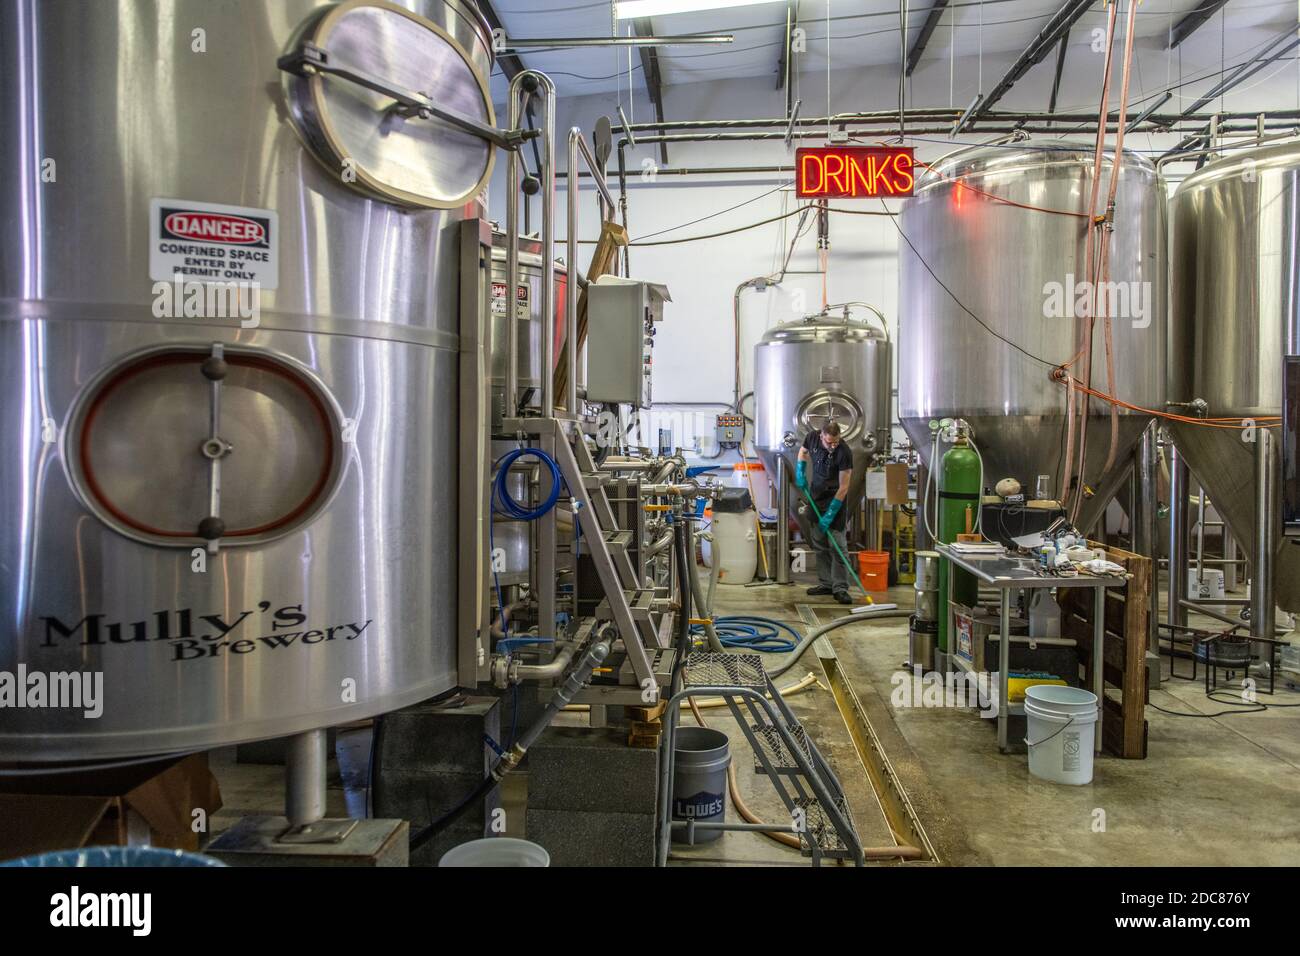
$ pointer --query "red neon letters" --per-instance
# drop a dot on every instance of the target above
(853, 172)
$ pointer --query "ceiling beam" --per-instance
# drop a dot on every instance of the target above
(1041, 45)
(922, 38)
(510, 63)
(654, 82)
(785, 61)
(1193, 21)
(1060, 66)
(1279, 47)
(1147, 113)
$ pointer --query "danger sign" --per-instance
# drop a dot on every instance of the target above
(206, 242)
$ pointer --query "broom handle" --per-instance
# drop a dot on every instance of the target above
(835, 544)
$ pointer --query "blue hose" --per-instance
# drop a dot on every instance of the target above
(753, 633)
(503, 504)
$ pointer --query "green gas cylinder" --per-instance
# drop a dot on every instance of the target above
(959, 493)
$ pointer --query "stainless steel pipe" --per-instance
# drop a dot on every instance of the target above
(1268, 521)
(1179, 477)
(571, 187)
(577, 146)
(1145, 519)
(549, 671)
(514, 110)
(304, 778)
(1201, 608)
(782, 521)
(548, 247)
(659, 546)
(525, 85)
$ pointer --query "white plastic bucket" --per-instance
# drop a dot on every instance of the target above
(496, 851)
(1205, 586)
(1061, 725)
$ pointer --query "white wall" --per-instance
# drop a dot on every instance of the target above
(693, 355)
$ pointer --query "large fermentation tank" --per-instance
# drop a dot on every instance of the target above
(820, 369)
(316, 583)
(1012, 275)
(1236, 306)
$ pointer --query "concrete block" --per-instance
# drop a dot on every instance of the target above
(575, 768)
(531, 701)
(254, 841)
(442, 737)
(461, 832)
(593, 839)
(422, 797)
(428, 759)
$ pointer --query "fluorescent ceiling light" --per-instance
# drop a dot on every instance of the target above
(634, 9)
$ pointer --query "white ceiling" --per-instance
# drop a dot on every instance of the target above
(862, 33)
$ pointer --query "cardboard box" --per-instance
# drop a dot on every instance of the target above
(977, 633)
(896, 492)
(151, 803)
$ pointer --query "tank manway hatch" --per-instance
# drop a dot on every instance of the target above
(182, 446)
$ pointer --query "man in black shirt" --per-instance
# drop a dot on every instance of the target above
(824, 470)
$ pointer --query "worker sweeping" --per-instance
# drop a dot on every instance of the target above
(824, 470)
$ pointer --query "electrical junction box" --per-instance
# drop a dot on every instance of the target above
(621, 318)
(729, 430)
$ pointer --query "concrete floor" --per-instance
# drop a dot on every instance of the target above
(817, 711)
(1213, 790)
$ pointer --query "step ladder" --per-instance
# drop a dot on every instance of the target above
(783, 751)
(628, 601)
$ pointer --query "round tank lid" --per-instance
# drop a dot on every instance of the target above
(824, 327)
(370, 140)
(1232, 166)
(1016, 157)
(278, 446)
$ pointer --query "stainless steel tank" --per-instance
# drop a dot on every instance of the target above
(528, 312)
(1236, 304)
(513, 539)
(315, 581)
(822, 368)
(984, 282)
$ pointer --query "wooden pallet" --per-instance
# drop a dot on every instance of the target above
(1124, 726)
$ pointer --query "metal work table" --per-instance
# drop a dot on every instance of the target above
(1007, 573)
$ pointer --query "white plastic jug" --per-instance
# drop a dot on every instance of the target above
(737, 536)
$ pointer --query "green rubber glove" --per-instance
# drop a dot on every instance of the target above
(831, 511)
(801, 476)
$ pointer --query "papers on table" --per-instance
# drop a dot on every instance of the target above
(977, 547)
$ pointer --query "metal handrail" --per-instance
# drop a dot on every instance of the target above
(577, 147)
(525, 85)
